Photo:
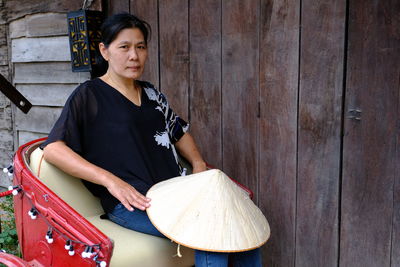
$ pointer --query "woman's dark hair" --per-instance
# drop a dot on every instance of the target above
(114, 24)
(110, 29)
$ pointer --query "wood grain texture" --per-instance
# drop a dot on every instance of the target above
(394, 38)
(5, 113)
(40, 49)
(240, 91)
(17, 28)
(39, 25)
(3, 14)
(369, 160)
(15, 9)
(174, 54)
(3, 55)
(49, 24)
(25, 137)
(205, 78)
(147, 10)
(279, 52)
(114, 7)
(5, 72)
(53, 95)
(3, 34)
(39, 119)
(47, 72)
(6, 139)
(319, 132)
(395, 257)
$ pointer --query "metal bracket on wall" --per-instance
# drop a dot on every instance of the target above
(355, 114)
(14, 95)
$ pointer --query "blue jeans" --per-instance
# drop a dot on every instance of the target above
(137, 220)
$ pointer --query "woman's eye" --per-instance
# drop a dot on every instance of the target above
(142, 47)
(123, 46)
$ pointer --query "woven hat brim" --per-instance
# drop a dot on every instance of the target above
(207, 211)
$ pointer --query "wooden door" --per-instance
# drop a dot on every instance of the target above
(299, 100)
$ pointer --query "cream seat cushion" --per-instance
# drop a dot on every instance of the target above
(130, 248)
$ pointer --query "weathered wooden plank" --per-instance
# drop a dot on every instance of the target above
(49, 24)
(279, 52)
(146, 10)
(6, 139)
(3, 45)
(39, 25)
(205, 78)
(174, 53)
(3, 14)
(118, 6)
(46, 94)
(369, 151)
(5, 113)
(39, 119)
(5, 71)
(240, 91)
(3, 55)
(15, 9)
(3, 34)
(40, 49)
(395, 38)
(18, 28)
(319, 132)
(395, 257)
(49, 72)
(25, 137)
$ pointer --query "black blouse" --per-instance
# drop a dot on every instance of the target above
(133, 142)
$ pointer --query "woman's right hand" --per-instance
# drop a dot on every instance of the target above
(59, 154)
(127, 194)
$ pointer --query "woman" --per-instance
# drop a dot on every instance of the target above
(119, 135)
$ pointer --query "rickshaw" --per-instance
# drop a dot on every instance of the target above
(60, 223)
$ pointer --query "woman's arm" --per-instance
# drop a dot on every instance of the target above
(60, 155)
(188, 149)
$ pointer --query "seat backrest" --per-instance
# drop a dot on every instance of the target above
(67, 187)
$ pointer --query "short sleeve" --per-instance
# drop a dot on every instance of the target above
(175, 125)
(70, 125)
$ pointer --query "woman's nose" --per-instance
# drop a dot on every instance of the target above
(133, 54)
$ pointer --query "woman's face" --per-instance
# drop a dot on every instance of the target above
(127, 54)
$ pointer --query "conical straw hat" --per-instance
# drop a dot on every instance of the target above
(207, 211)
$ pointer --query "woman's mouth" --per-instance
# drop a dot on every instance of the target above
(136, 68)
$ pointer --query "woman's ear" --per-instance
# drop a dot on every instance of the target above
(104, 51)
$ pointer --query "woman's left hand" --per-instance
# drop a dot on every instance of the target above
(199, 167)
(188, 149)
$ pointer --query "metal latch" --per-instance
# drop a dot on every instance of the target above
(355, 114)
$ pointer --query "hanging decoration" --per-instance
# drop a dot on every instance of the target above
(84, 37)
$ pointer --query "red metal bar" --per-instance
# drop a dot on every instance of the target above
(6, 193)
(11, 260)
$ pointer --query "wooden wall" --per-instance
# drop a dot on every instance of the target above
(6, 124)
(42, 71)
(27, 31)
(299, 100)
(272, 89)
